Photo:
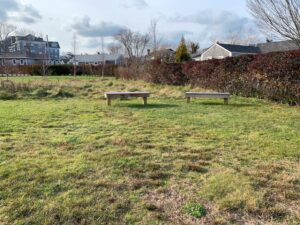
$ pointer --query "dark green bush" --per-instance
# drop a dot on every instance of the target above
(195, 210)
(59, 70)
(63, 94)
(40, 93)
(5, 95)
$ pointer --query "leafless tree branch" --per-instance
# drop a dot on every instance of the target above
(281, 17)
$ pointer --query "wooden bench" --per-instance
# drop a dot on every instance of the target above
(225, 96)
(125, 95)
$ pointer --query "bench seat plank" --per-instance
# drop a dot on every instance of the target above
(126, 94)
(207, 95)
(224, 96)
(114, 95)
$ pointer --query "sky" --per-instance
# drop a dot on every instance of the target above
(202, 21)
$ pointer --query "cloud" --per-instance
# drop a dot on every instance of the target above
(139, 4)
(12, 10)
(85, 28)
(219, 25)
(173, 38)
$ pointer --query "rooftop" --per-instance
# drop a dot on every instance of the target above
(97, 57)
(240, 48)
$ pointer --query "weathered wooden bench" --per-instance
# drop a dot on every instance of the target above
(125, 95)
(225, 96)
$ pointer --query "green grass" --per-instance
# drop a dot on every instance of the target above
(70, 159)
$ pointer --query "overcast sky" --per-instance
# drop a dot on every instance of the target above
(202, 21)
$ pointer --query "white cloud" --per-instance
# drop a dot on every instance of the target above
(86, 28)
(139, 4)
(12, 10)
(218, 25)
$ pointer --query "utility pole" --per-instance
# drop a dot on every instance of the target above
(74, 54)
(103, 56)
(48, 51)
(46, 57)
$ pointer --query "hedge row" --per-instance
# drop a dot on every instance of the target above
(274, 76)
(59, 70)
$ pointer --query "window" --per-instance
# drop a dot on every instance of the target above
(14, 62)
(22, 62)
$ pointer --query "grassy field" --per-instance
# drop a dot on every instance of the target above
(67, 158)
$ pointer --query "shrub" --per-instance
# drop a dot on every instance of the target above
(182, 53)
(63, 94)
(5, 95)
(40, 93)
(58, 70)
(163, 73)
(274, 76)
(195, 210)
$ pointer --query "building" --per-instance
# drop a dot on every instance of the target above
(28, 50)
(278, 46)
(164, 55)
(196, 57)
(97, 59)
(221, 51)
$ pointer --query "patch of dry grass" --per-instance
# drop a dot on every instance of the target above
(77, 161)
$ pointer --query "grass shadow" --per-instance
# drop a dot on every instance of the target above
(151, 106)
(238, 105)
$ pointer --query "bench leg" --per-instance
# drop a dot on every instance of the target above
(145, 100)
(188, 99)
(226, 101)
(108, 101)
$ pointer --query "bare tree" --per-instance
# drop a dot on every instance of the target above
(6, 30)
(134, 43)
(153, 32)
(193, 47)
(234, 38)
(46, 57)
(114, 48)
(24, 32)
(281, 17)
(103, 56)
(242, 37)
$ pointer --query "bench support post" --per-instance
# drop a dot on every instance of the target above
(145, 100)
(108, 101)
(188, 99)
(226, 101)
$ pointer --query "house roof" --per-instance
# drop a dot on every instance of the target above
(162, 52)
(96, 58)
(279, 46)
(196, 55)
(240, 48)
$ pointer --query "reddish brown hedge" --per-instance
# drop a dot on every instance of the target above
(274, 76)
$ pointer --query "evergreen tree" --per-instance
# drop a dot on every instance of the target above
(182, 53)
